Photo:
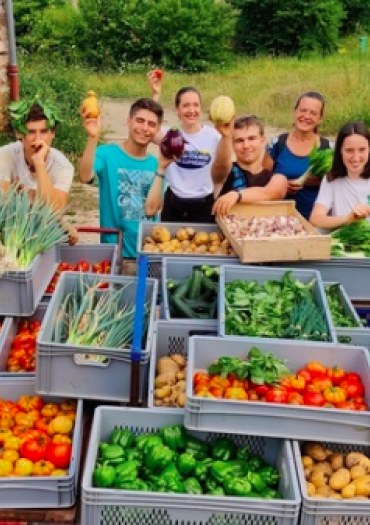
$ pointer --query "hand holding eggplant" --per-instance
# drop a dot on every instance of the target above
(172, 145)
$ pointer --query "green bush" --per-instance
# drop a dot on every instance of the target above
(27, 13)
(288, 27)
(357, 16)
(188, 35)
(66, 88)
(56, 31)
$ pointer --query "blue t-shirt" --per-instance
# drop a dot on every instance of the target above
(124, 183)
(293, 166)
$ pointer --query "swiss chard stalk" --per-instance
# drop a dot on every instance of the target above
(320, 162)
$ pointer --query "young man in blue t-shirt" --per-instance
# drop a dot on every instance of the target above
(125, 172)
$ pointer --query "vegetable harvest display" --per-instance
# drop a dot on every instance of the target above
(277, 308)
(172, 461)
(102, 267)
(170, 381)
(27, 229)
(22, 354)
(35, 437)
(263, 377)
(335, 475)
(194, 297)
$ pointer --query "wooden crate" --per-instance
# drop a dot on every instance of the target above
(268, 249)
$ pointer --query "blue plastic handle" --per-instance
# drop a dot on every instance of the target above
(139, 313)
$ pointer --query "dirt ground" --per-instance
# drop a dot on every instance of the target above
(83, 209)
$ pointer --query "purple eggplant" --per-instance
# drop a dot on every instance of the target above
(173, 144)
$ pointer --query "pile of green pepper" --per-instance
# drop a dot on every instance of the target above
(173, 461)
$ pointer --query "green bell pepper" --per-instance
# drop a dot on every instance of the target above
(133, 454)
(223, 449)
(242, 453)
(168, 484)
(123, 437)
(157, 458)
(111, 453)
(147, 441)
(186, 463)
(221, 469)
(127, 471)
(137, 484)
(256, 481)
(237, 487)
(210, 484)
(270, 493)
(199, 449)
(192, 486)
(201, 471)
(171, 470)
(269, 475)
(217, 491)
(103, 476)
(174, 436)
(255, 463)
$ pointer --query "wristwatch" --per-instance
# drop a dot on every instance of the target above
(160, 175)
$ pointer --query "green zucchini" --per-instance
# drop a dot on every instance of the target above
(208, 284)
(183, 289)
(182, 308)
(196, 285)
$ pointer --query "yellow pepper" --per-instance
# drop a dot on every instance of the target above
(6, 468)
(5, 433)
(12, 443)
(23, 467)
(59, 472)
(42, 468)
(10, 455)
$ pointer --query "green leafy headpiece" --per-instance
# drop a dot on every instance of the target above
(20, 109)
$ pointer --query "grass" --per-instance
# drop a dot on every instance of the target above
(264, 86)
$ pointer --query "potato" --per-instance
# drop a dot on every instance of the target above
(201, 249)
(307, 461)
(166, 364)
(307, 472)
(311, 489)
(181, 400)
(185, 244)
(161, 393)
(325, 491)
(324, 466)
(357, 471)
(190, 232)
(149, 248)
(340, 479)
(160, 234)
(182, 234)
(335, 495)
(180, 386)
(158, 402)
(315, 451)
(167, 378)
(213, 248)
(149, 240)
(214, 238)
(349, 491)
(319, 478)
(180, 376)
(201, 238)
(356, 458)
(362, 484)
(336, 461)
(179, 359)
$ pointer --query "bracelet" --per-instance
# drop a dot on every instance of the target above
(239, 195)
(160, 175)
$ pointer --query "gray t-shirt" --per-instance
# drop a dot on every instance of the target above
(341, 195)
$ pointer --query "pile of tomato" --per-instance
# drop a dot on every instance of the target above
(102, 267)
(22, 354)
(35, 437)
(314, 385)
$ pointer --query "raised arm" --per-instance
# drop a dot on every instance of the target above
(92, 128)
(222, 164)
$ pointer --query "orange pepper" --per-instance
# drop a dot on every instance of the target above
(335, 394)
(50, 410)
(5, 433)
(10, 455)
(12, 443)
(235, 393)
(61, 439)
(42, 468)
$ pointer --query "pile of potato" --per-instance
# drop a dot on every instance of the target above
(186, 240)
(334, 475)
(170, 381)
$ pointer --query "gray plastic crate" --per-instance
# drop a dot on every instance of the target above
(278, 420)
(4, 329)
(230, 273)
(92, 253)
(10, 331)
(353, 274)
(43, 491)
(318, 511)
(347, 305)
(108, 506)
(178, 269)
(170, 338)
(21, 292)
(57, 371)
(354, 336)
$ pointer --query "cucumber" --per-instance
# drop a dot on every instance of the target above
(196, 285)
(208, 284)
(183, 288)
(182, 308)
(197, 304)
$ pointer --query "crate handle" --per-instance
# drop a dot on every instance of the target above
(116, 231)
(202, 332)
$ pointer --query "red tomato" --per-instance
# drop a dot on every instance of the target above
(158, 73)
(305, 374)
(106, 265)
(59, 454)
(312, 398)
(200, 377)
(360, 404)
(261, 390)
(347, 405)
(352, 376)
(34, 449)
(277, 395)
(336, 374)
(35, 326)
(322, 382)
(295, 398)
(64, 266)
(97, 268)
(216, 391)
(354, 388)
(83, 266)
(315, 368)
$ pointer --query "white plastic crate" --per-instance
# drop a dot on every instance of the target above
(171, 337)
(326, 511)
(121, 507)
(10, 331)
(21, 291)
(347, 305)
(277, 420)
(43, 491)
(92, 253)
(354, 336)
(59, 372)
(230, 273)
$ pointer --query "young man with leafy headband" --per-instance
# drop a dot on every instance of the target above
(31, 161)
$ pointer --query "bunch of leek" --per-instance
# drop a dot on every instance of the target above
(352, 240)
(94, 317)
(320, 162)
(28, 227)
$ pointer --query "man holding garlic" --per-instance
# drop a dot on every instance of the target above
(244, 180)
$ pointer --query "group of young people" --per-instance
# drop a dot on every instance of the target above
(220, 167)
